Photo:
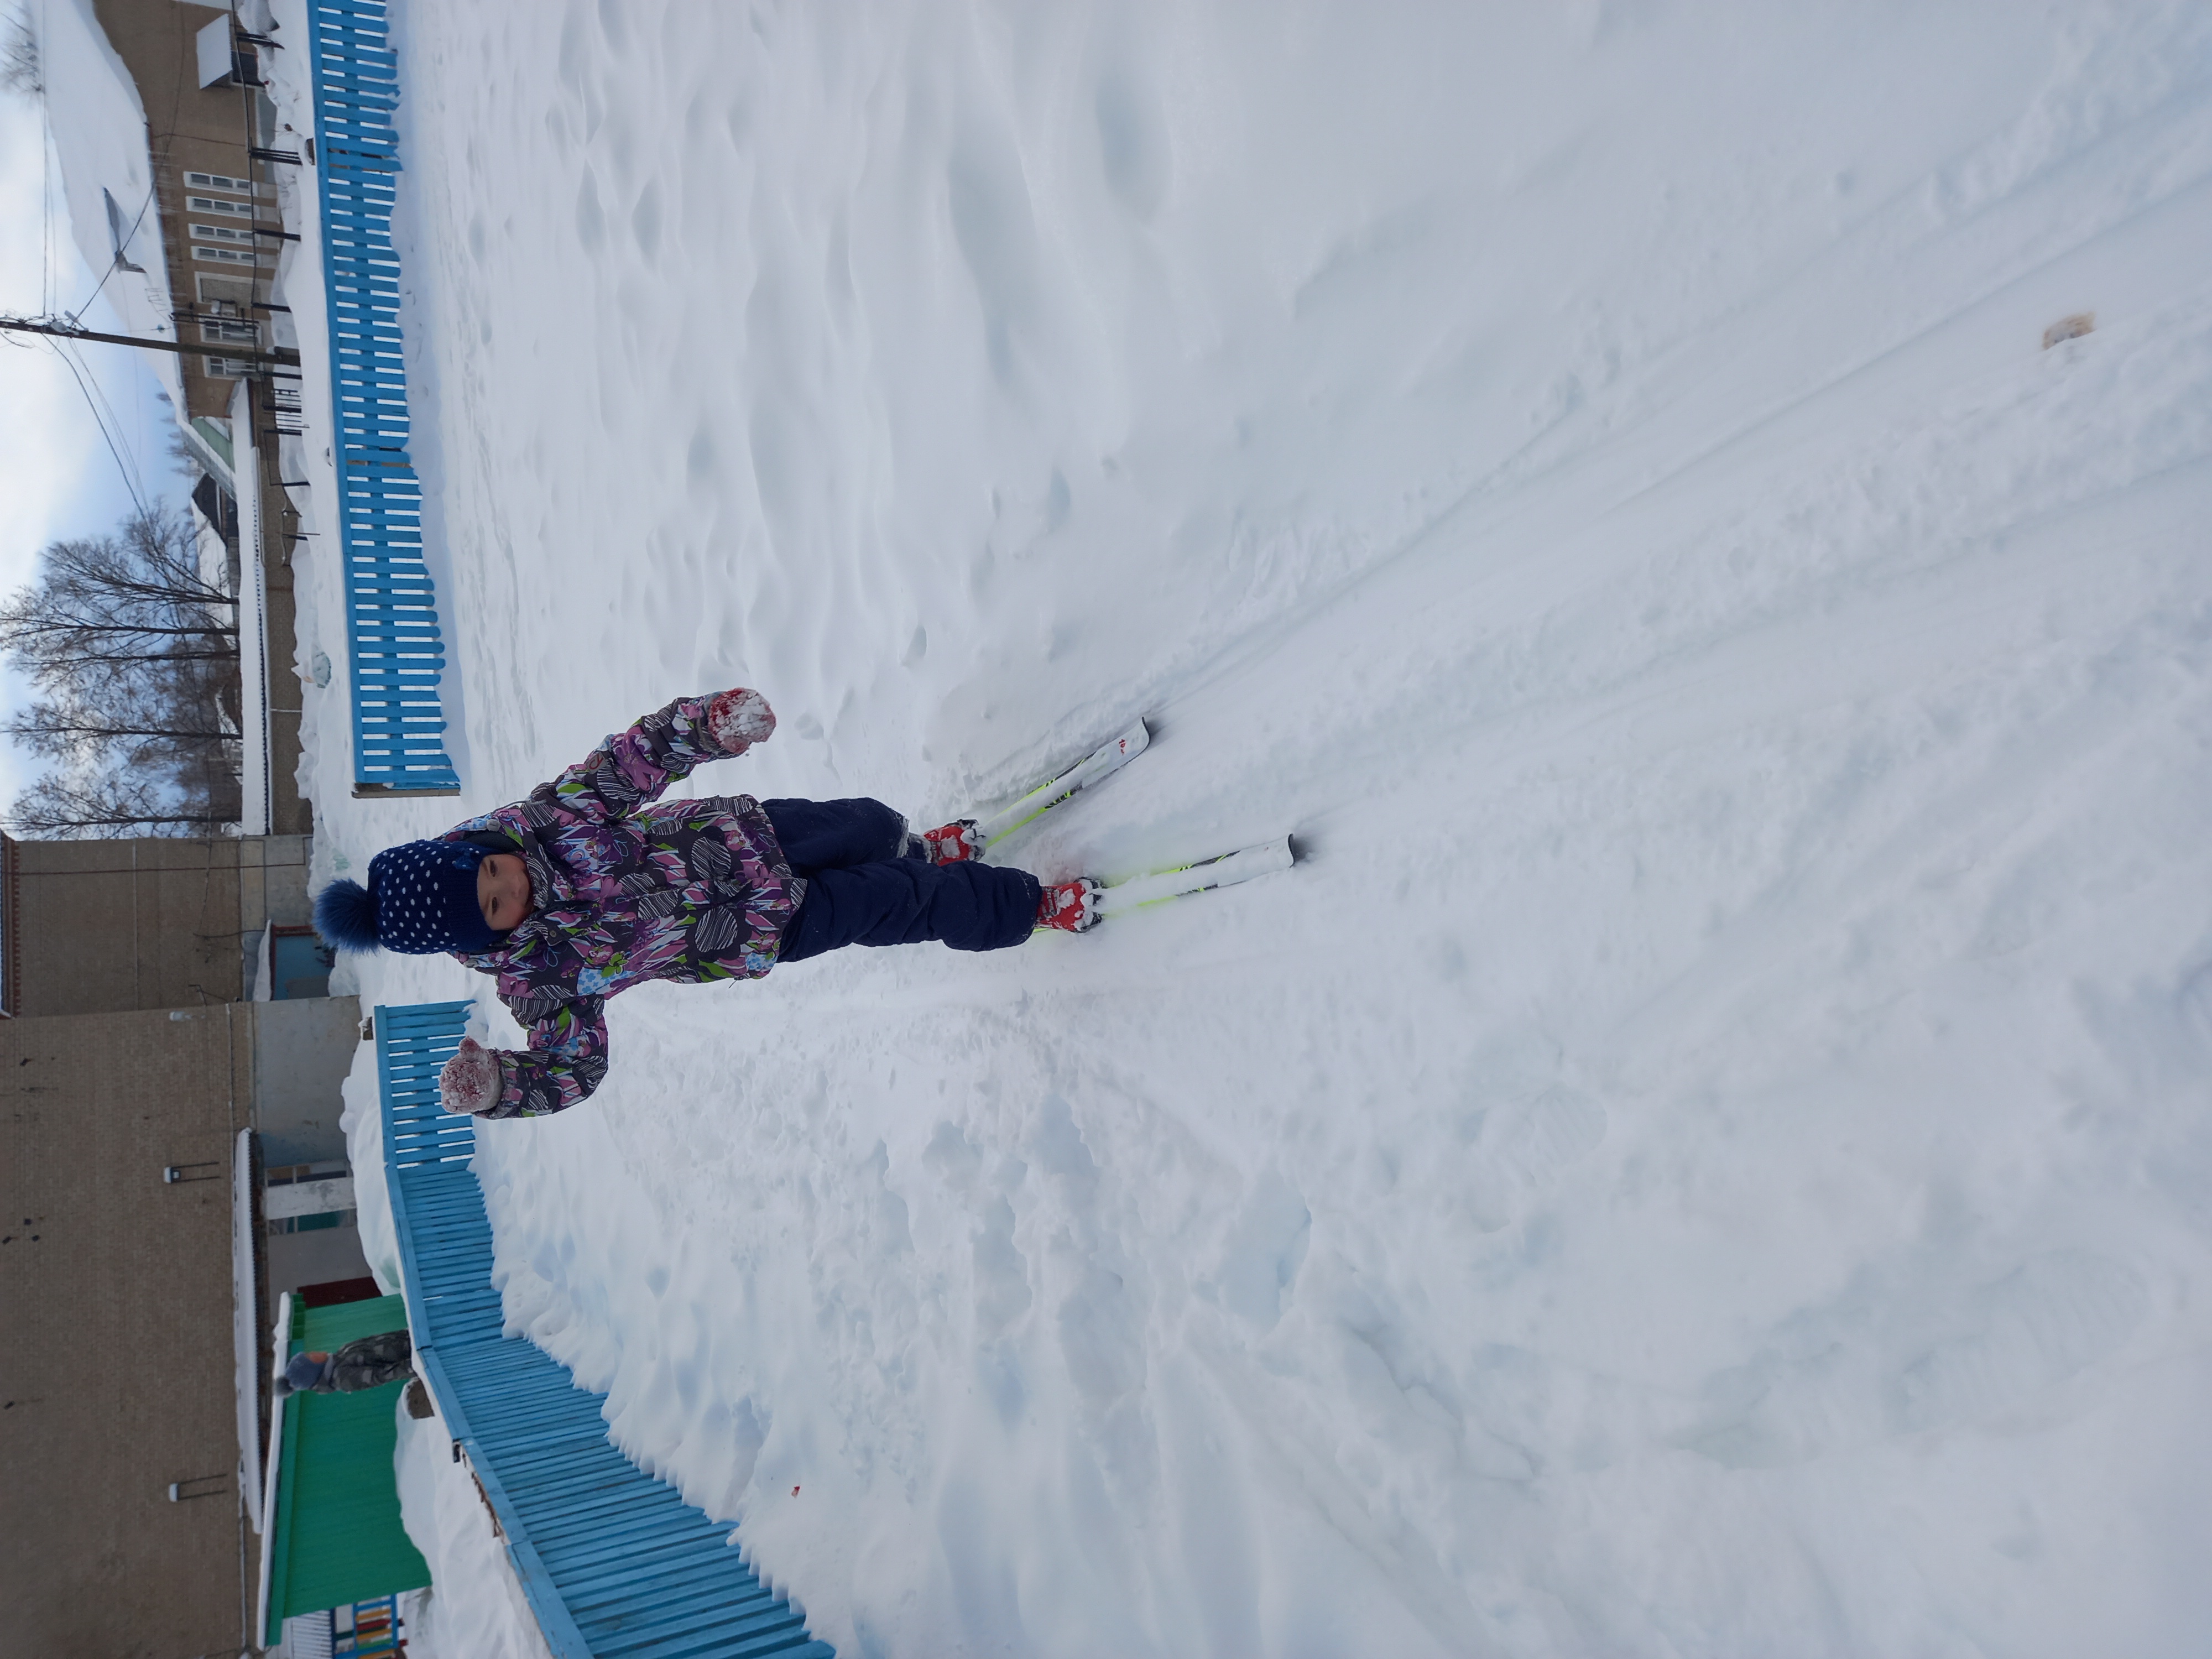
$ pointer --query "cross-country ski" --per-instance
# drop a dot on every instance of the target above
(1119, 899)
(1077, 905)
(1100, 763)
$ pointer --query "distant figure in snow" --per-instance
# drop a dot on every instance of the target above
(586, 887)
(367, 1362)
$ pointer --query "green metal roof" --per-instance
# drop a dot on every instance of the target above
(336, 1537)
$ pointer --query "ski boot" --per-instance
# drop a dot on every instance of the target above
(955, 843)
(1069, 906)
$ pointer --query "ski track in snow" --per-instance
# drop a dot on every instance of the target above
(1708, 1156)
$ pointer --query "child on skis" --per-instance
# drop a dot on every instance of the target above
(586, 887)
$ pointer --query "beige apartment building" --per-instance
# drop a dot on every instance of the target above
(213, 152)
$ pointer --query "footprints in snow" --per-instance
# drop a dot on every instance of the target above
(2056, 1314)
(1522, 1149)
(1522, 1127)
(1893, 1354)
(1261, 1259)
(1906, 1348)
(1133, 144)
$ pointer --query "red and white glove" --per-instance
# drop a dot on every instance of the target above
(739, 720)
(471, 1081)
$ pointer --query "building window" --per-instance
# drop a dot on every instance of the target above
(217, 181)
(228, 295)
(315, 1224)
(223, 234)
(227, 368)
(212, 205)
(222, 256)
(225, 328)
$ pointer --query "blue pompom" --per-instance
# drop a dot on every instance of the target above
(345, 915)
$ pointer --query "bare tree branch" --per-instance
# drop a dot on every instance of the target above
(21, 69)
(139, 657)
(105, 602)
(59, 809)
(59, 732)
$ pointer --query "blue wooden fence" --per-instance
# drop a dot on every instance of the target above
(396, 654)
(613, 1560)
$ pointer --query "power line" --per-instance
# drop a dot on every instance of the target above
(281, 356)
(98, 394)
(46, 179)
(113, 264)
(129, 482)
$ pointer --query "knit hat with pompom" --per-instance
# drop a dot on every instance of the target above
(421, 899)
(303, 1373)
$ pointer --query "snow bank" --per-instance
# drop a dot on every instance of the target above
(308, 463)
(1708, 1155)
(475, 1607)
(362, 1119)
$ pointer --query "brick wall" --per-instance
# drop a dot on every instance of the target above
(116, 1367)
(106, 926)
(114, 925)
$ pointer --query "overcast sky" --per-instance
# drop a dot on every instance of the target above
(56, 476)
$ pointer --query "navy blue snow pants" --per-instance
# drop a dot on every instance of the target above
(865, 887)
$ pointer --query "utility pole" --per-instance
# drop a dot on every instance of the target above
(283, 357)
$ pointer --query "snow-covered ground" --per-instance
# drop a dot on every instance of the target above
(1710, 1155)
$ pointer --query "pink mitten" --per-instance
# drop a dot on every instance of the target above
(472, 1080)
(739, 719)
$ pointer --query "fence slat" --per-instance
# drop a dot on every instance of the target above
(356, 75)
(613, 1562)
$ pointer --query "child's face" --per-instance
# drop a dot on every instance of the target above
(502, 890)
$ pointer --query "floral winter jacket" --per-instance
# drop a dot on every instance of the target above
(625, 891)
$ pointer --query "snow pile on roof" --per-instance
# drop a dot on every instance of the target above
(107, 177)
